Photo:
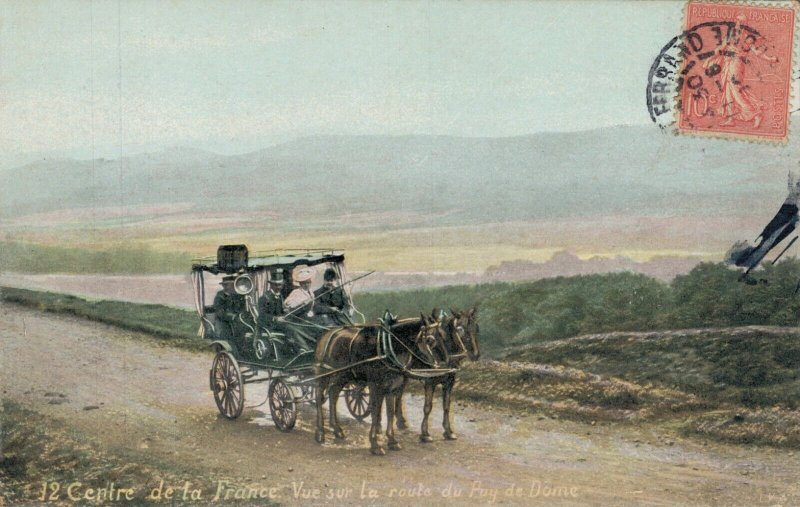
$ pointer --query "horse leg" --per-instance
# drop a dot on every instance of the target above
(333, 395)
(399, 414)
(393, 444)
(424, 436)
(320, 392)
(376, 405)
(447, 390)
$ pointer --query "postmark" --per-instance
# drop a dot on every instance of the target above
(728, 74)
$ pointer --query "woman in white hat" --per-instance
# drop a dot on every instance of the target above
(299, 305)
(302, 295)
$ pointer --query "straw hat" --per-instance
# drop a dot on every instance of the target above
(303, 274)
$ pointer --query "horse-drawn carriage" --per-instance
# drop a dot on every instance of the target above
(257, 348)
(287, 318)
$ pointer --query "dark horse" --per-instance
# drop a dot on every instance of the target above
(356, 354)
(459, 339)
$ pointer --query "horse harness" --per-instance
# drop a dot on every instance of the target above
(386, 353)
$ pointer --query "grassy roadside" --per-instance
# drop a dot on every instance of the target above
(747, 378)
(175, 326)
(737, 385)
(43, 456)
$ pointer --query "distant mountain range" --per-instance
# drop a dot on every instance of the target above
(632, 171)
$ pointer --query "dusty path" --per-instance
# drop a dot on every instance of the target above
(155, 401)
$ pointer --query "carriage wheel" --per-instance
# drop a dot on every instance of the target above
(357, 399)
(282, 406)
(227, 385)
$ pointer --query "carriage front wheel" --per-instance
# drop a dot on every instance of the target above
(357, 399)
(227, 385)
(282, 405)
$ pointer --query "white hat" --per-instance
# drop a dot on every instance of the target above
(303, 274)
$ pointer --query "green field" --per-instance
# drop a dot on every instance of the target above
(26, 257)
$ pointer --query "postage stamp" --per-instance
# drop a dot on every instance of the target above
(736, 70)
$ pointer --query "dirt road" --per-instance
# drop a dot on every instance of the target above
(154, 402)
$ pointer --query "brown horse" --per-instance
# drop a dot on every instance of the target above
(357, 354)
(459, 340)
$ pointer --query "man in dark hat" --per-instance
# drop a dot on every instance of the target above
(228, 305)
(331, 301)
(270, 305)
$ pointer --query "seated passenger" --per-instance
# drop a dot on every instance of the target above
(299, 308)
(228, 306)
(302, 295)
(270, 305)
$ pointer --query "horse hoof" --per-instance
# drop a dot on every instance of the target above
(378, 451)
(340, 436)
(425, 439)
(320, 438)
(395, 446)
(401, 425)
(450, 436)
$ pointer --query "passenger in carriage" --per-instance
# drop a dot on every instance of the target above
(302, 295)
(331, 301)
(228, 306)
(299, 306)
(270, 305)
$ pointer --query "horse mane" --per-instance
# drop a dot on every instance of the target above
(407, 324)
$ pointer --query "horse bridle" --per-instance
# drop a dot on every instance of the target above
(458, 335)
(392, 356)
(426, 331)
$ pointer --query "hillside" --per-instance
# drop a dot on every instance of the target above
(441, 179)
(757, 366)
(745, 378)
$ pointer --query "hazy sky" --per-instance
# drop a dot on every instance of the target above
(102, 78)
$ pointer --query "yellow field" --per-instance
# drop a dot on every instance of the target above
(446, 248)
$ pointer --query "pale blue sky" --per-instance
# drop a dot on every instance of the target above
(102, 78)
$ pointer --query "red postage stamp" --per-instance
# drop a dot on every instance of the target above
(736, 74)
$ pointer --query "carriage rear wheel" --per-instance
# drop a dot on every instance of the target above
(357, 399)
(282, 405)
(227, 385)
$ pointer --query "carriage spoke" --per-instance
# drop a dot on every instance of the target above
(226, 402)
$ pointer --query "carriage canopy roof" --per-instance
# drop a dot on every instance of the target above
(285, 259)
